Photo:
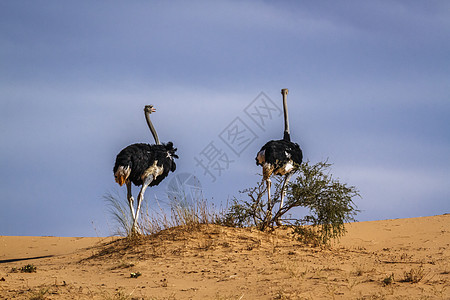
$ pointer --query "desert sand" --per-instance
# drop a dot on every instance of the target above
(390, 259)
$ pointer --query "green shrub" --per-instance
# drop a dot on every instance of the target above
(328, 201)
(28, 269)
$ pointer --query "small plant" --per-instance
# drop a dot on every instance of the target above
(118, 295)
(135, 275)
(414, 275)
(40, 295)
(28, 269)
(361, 270)
(388, 280)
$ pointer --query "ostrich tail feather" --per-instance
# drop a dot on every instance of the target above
(169, 147)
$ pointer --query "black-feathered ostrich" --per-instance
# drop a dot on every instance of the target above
(144, 164)
(279, 156)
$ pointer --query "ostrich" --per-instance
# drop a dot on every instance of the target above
(144, 164)
(279, 156)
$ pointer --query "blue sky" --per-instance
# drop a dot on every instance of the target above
(368, 81)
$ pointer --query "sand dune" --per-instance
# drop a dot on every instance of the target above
(391, 259)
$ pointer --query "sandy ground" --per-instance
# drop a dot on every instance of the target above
(392, 259)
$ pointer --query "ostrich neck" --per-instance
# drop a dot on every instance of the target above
(286, 118)
(152, 129)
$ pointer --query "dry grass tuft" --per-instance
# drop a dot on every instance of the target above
(415, 275)
(190, 214)
(388, 280)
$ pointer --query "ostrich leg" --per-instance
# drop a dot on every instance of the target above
(283, 194)
(269, 205)
(146, 183)
(130, 200)
(283, 189)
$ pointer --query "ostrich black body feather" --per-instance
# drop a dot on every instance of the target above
(278, 153)
(140, 157)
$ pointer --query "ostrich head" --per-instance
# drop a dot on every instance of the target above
(148, 109)
(122, 174)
